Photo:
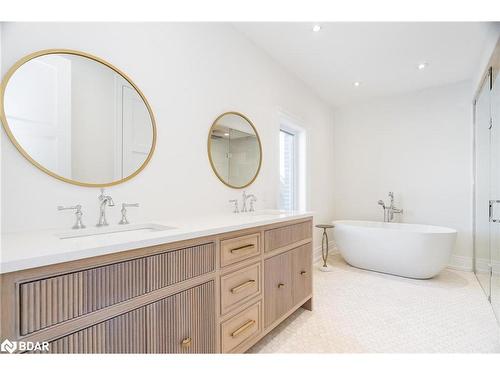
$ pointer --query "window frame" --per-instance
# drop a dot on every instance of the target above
(294, 182)
(292, 125)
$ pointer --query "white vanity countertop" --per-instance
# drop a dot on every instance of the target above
(34, 249)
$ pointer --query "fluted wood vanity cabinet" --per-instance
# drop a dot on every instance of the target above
(288, 282)
(278, 270)
(220, 293)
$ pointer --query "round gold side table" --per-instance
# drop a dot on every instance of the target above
(324, 247)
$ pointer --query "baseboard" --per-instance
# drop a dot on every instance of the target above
(461, 263)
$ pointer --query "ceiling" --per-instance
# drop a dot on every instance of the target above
(382, 56)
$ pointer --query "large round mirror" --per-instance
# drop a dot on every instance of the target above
(234, 150)
(77, 118)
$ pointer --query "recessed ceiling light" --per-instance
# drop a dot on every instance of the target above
(357, 83)
(226, 134)
(316, 28)
(422, 65)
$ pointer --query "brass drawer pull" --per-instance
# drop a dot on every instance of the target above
(186, 343)
(242, 248)
(281, 285)
(243, 328)
(238, 288)
(303, 272)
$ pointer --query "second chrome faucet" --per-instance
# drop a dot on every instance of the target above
(245, 198)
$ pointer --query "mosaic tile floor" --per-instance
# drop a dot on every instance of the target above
(361, 311)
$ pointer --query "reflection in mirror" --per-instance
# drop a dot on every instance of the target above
(78, 118)
(234, 150)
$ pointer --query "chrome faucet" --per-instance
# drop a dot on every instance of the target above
(391, 210)
(105, 200)
(245, 198)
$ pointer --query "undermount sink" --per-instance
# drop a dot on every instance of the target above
(100, 231)
(268, 212)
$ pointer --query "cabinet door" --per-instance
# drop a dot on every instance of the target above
(301, 273)
(278, 286)
(183, 323)
(121, 334)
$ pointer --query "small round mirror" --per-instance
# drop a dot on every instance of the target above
(234, 150)
(77, 118)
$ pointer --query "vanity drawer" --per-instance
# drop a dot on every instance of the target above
(240, 286)
(53, 300)
(288, 235)
(241, 328)
(172, 267)
(240, 248)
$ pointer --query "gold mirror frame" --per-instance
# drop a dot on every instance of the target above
(209, 149)
(45, 52)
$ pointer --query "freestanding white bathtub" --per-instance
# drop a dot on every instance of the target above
(409, 250)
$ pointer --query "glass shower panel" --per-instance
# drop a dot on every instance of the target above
(482, 188)
(495, 195)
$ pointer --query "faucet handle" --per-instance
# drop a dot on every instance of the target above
(252, 200)
(78, 214)
(130, 205)
(124, 219)
(235, 202)
(77, 207)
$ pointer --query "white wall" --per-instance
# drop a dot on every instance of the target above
(418, 145)
(180, 70)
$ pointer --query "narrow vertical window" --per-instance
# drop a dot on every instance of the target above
(288, 180)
